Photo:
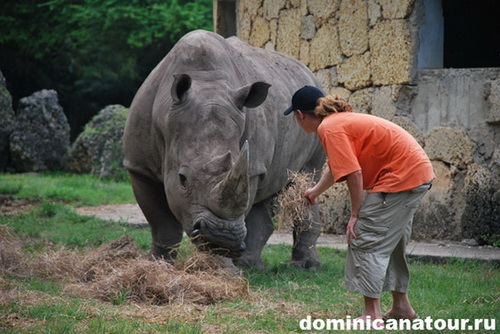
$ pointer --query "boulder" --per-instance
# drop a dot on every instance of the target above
(453, 146)
(40, 138)
(98, 149)
(493, 98)
(335, 209)
(462, 204)
(7, 124)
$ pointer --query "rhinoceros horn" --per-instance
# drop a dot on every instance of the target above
(230, 196)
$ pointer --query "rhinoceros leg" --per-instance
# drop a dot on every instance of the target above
(304, 254)
(166, 231)
(259, 229)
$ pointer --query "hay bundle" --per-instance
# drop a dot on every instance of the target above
(107, 257)
(85, 267)
(294, 210)
(119, 271)
(159, 283)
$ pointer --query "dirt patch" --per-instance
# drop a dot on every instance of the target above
(127, 213)
(11, 206)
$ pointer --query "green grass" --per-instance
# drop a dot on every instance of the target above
(59, 224)
(75, 189)
(280, 296)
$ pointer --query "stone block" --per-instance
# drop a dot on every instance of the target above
(246, 13)
(307, 27)
(270, 46)
(288, 39)
(391, 53)
(460, 205)
(249, 8)
(493, 93)
(452, 146)
(273, 26)
(260, 33)
(304, 52)
(435, 216)
(477, 195)
(327, 77)
(322, 10)
(374, 12)
(325, 48)
(361, 100)
(244, 26)
(383, 104)
(340, 91)
(410, 126)
(335, 209)
(272, 8)
(396, 9)
(353, 27)
(355, 72)
(495, 163)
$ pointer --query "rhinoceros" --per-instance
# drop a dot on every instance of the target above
(207, 147)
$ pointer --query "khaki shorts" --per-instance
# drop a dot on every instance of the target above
(376, 260)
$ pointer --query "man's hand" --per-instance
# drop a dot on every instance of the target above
(324, 183)
(311, 196)
(350, 229)
(355, 186)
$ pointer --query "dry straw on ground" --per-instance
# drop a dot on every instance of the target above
(294, 210)
(12, 259)
(120, 272)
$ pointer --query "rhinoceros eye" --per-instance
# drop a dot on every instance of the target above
(182, 180)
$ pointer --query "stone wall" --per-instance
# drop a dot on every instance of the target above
(367, 51)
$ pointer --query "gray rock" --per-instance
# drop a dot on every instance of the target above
(98, 149)
(40, 139)
(6, 123)
(470, 242)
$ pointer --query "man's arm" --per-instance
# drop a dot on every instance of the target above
(355, 186)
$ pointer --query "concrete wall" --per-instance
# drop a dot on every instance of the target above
(370, 51)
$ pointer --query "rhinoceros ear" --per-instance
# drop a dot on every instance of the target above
(252, 96)
(181, 85)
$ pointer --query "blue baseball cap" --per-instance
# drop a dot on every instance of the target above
(305, 99)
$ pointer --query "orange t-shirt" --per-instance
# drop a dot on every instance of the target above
(389, 158)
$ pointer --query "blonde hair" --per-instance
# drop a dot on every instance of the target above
(331, 104)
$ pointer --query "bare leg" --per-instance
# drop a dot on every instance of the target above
(401, 307)
(372, 309)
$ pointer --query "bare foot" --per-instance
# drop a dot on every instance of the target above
(393, 314)
(369, 322)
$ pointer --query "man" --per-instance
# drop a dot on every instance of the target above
(375, 155)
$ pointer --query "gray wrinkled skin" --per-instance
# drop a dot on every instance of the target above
(207, 146)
